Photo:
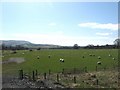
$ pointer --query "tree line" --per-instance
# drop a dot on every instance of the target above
(116, 45)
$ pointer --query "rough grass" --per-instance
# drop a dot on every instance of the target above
(73, 59)
(106, 79)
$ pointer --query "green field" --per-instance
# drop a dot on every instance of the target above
(72, 58)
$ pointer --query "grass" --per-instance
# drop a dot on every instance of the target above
(73, 59)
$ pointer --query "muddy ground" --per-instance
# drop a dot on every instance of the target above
(14, 60)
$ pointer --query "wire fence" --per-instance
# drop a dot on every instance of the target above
(66, 76)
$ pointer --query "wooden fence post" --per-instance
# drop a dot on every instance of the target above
(29, 76)
(21, 74)
(33, 76)
(85, 69)
(63, 71)
(113, 66)
(96, 68)
(74, 78)
(49, 71)
(104, 68)
(44, 75)
(57, 77)
(97, 82)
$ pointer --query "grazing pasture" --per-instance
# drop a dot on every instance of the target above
(49, 59)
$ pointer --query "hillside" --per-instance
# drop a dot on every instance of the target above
(27, 44)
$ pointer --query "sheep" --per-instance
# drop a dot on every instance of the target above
(99, 62)
(14, 52)
(90, 54)
(23, 53)
(83, 56)
(113, 58)
(38, 57)
(109, 55)
(61, 60)
(30, 50)
(49, 56)
(99, 57)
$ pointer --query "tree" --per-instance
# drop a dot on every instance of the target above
(117, 42)
(90, 46)
(38, 48)
(75, 46)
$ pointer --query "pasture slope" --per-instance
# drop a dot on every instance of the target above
(73, 59)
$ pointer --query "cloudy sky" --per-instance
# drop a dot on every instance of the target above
(61, 23)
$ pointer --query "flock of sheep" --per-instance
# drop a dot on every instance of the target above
(62, 59)
(99, 57)
(98, 62)
(49, 56)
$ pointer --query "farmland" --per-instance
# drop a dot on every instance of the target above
(73, 59)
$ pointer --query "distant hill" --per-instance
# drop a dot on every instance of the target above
(26, 44)
(15, 42)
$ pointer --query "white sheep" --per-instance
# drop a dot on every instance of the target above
(38, 57)
(90, 54)
(99, 57)
(99, 62)
(109, 55)
(83, 56)
(113, 58)
(49, 56)
(61, 60)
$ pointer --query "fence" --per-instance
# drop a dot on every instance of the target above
(65, 71)
(74, 75)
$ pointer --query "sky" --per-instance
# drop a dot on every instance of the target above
(60, 23)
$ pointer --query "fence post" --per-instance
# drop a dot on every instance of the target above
(33, 76)
(21, 74)
(44, 75)
(49, 71)
(104, 68)
(97, 81)
(85, 69)
(29, 78)
(74, 78)
(113, 66)
(96, 68)
(63, 71)
(57, 78)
